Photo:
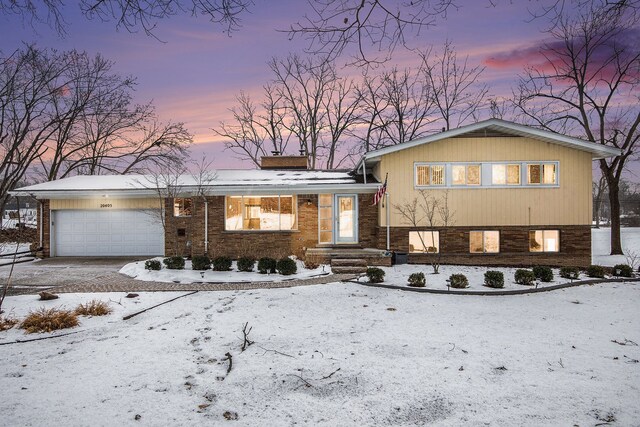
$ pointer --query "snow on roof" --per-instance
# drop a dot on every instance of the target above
(220, 178)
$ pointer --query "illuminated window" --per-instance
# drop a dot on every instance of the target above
(544, 241)
(269, 213)
(430, 175)
(544, 173)
(465, 174)
(182, 207)
(505, 174)
(325, 218)
(424, 242)
(484, 242)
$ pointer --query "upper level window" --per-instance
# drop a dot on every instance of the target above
(484, 242)
(466, 174)
(430, 175)
(544, 241)
(541, 173)
(505, 174)
(182, 207)
(261, 213)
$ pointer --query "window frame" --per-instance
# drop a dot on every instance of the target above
(436, 237)
(294, 204)
(466, 166)
(484, 251)
(543, 250)
(430, 165)
(542, 164)
(175, 200)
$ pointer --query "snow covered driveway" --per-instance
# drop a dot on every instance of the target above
(336, 354)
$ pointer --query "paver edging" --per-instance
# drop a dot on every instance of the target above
(497, 293)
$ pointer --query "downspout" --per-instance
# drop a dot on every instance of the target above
(388, 221)
(364, 171)
(41, 219)
(206, 227)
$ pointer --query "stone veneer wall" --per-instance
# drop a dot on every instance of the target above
(257, 243)
(575, 246)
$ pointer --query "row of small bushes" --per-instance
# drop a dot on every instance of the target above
(284, 266)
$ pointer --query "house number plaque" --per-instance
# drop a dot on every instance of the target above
(106, 205)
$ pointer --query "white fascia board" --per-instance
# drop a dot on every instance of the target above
(210, 191)
(598, 151)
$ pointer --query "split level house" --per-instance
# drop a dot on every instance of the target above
(515, 195)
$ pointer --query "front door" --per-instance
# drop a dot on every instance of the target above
(346, 218)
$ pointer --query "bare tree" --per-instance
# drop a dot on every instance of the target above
(66, 113)
(410, 107)
(432, 212)
(132, 15)
(457, 93)
(589, 85)
(342, 106)
(371, 121)
(334, 26)
(254, 133)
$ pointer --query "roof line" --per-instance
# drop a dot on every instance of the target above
(537, 133)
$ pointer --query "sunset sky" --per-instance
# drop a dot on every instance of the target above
(193, 74)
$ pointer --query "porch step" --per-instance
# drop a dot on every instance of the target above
(348, 269)
(348, 262)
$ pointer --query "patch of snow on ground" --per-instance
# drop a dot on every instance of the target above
(337, 354)
(137, 271)
(9, 248)
(601, 245)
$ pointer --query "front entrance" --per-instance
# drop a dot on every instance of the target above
(338, 219)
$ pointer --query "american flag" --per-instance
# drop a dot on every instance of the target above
(381, 191)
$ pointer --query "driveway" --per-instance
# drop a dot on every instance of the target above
(61, 271)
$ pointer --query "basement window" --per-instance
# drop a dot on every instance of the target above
(182, 207)
(544, 241)
(487, 242)
(424, 242)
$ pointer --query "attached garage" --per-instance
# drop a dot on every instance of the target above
(84, 232)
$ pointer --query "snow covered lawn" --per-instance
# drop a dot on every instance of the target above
(137, 271)
(9, 248)
(600, 243)
(338, 354)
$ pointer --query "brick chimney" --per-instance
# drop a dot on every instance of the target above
(284, 162)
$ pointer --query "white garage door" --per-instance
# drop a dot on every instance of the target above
(107, 233)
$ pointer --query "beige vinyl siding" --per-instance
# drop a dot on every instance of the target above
(105, 203)
(569, 204)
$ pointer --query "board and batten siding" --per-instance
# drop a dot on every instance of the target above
(104, 203)
(568, 204)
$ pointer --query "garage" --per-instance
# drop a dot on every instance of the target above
(107, 233)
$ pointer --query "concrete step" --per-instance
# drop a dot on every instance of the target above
(348, 270)
(348, 262)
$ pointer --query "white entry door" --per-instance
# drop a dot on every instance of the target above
(346, 216)
(107, 233)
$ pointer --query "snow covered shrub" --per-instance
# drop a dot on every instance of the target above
(596, 271)
(222, 263)
(417, 280)
(246, 264)
(542, 273)
(7, 322)
(569, 273)
(375, 274)
(494, 279)
(266, 265)
(200, 262)
(152, 264)
(458, 281)
(524, 277)
(48, 320)
(93, 308)
(174, 263)
(286, 266)
(622, 270)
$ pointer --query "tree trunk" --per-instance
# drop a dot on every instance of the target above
(614, 210)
